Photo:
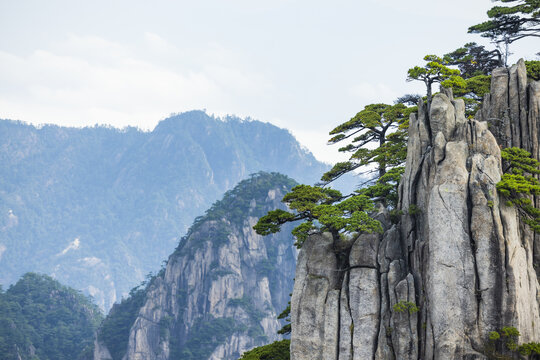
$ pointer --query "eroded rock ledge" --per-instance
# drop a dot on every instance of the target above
(459, 254)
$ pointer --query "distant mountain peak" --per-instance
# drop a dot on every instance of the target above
(123, 192)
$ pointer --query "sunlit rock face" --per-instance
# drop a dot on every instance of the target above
(458, 254)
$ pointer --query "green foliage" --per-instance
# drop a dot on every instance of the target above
(385, 189)
(507, 24)
(55, 321)
(474, 60)
(324, 209)
(204, 337)
(278, 350)
(510, 332)
(285, 315)
(472, 91)
(405, 306)
(518, 183)
(533, 69)
(475, 64)
(413, 209)
(435, 70)
(395, 215)
(408, 99)
(505, 341)
(244, 200)
(528, 349)
(382, 125)
(327, 210)
(114, 331)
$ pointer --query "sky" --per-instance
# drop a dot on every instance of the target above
(302, 65)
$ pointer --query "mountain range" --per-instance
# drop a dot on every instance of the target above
(99, 208)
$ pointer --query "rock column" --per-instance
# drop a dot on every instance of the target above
(460, 261)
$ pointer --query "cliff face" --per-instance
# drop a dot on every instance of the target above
(459, 263)
(222, 288)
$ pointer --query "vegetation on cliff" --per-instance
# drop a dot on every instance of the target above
(114, 331)
(42, 319)
(520, 182)
(278, 350)
(326, 209)
(467, 71)
(380, 133)
(209, 236)
(506, 340)
(435, 70)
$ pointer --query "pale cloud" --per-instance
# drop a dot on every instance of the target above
(305, 66)
(317, 142)
(373, 93)
(88, 80)
(159, 45)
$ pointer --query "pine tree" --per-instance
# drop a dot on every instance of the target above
(325, 209)
(436, 70)
(519, 183)
(508, 24)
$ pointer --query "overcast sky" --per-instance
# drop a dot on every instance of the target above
(303, 65)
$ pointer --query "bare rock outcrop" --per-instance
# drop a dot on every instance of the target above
(459, 261)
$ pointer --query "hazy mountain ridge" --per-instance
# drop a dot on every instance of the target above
(89, 206)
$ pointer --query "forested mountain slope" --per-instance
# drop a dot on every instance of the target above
(98, 208)
(41, 319)
(221, 290)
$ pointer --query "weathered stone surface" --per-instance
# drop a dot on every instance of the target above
(364, 251)
(462, 257)
(365, 308)
(385, 350)
(404, 324)
(227, 351)
(345, 350)
(450, 263)
(442, 116)
(331, 324)
(316, 277)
